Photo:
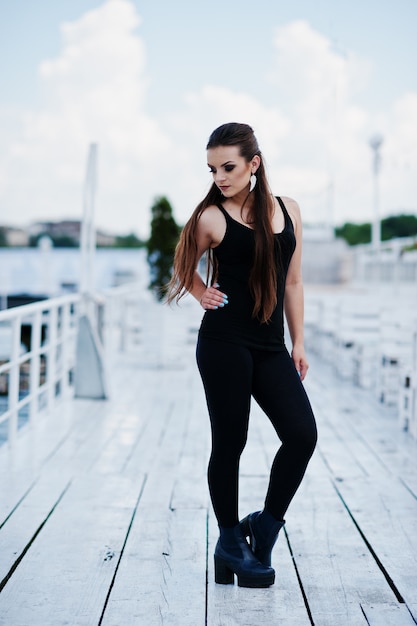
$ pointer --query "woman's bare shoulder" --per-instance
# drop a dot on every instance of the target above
(291, 204)
(212, 222)
(211, 212)
(293, 210)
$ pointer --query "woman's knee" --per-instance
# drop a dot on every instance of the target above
(303, 440)
(229, 447)
(308, 438)
(311, 439)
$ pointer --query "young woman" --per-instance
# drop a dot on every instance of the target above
(253, 244)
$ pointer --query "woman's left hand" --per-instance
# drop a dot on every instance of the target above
(213, 298)
(300, 361)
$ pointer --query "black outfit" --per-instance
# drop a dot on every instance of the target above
(239, 357)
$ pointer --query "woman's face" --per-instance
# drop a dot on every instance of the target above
(231, 172)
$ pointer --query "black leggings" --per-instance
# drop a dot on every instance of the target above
(231, 374)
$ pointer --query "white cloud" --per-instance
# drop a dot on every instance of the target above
(317, 86)
(96, 89)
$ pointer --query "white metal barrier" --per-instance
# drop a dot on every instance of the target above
(395, 263)
(38, 369)
(371, 339)
(38, 350)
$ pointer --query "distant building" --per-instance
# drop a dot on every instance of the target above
(103, 239)
(325, 258)
(15, 237)
(65, 228)
(70, 229)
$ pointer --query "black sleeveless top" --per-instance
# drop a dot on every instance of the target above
(234, 322)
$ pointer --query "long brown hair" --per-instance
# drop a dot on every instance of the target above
(263, 276)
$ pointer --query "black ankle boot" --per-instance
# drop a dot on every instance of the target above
(233, 556)
(262, 529)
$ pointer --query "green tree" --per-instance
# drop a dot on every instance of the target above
(398, 226)
(354, 233)
(391, 227)
(161, 245)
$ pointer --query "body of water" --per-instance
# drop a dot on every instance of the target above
(57, 271)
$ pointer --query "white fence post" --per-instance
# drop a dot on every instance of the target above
(14, 375)
(65, 348)
(35, 365)
(90, 376)
(51, 356)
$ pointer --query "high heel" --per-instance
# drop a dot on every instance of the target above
(262, 529)
(223, 575)
(233, 556)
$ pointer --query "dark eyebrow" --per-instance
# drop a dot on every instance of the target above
(222, 165)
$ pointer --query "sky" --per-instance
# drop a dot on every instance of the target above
(148, 82)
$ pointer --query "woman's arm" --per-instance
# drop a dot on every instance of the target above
(208, 233)
(294, 295)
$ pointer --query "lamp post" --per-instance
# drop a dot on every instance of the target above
(375, 143)
(88, 233)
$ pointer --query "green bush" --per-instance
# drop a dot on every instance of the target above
(391, 228)
(161, 245)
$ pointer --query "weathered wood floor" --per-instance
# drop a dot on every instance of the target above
(105, 516)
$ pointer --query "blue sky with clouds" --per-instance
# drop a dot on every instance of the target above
(149, 81)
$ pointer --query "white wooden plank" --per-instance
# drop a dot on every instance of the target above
(27, 520)
(345, 451)
(20, 468)
(374, 423)
(65, 576)
(139, 414)
(337, 573)
(93, 430)
(384, 614)
(163, 436)
(388, 520)
(191, 489)
(385, 510)
(41, 449)
(14, 488)
(184, 579)
(137, 595)
(145, 588)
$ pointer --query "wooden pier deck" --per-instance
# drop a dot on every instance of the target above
(105, 516)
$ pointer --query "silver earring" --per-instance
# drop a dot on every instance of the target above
(252, 183)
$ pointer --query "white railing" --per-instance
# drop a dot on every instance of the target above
(370, 337)
(39, 338)
(38, 350)
(396, 262)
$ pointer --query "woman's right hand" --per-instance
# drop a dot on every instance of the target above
(213, 298)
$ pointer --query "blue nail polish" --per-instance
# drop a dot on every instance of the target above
(216, 307)
(221, 304)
